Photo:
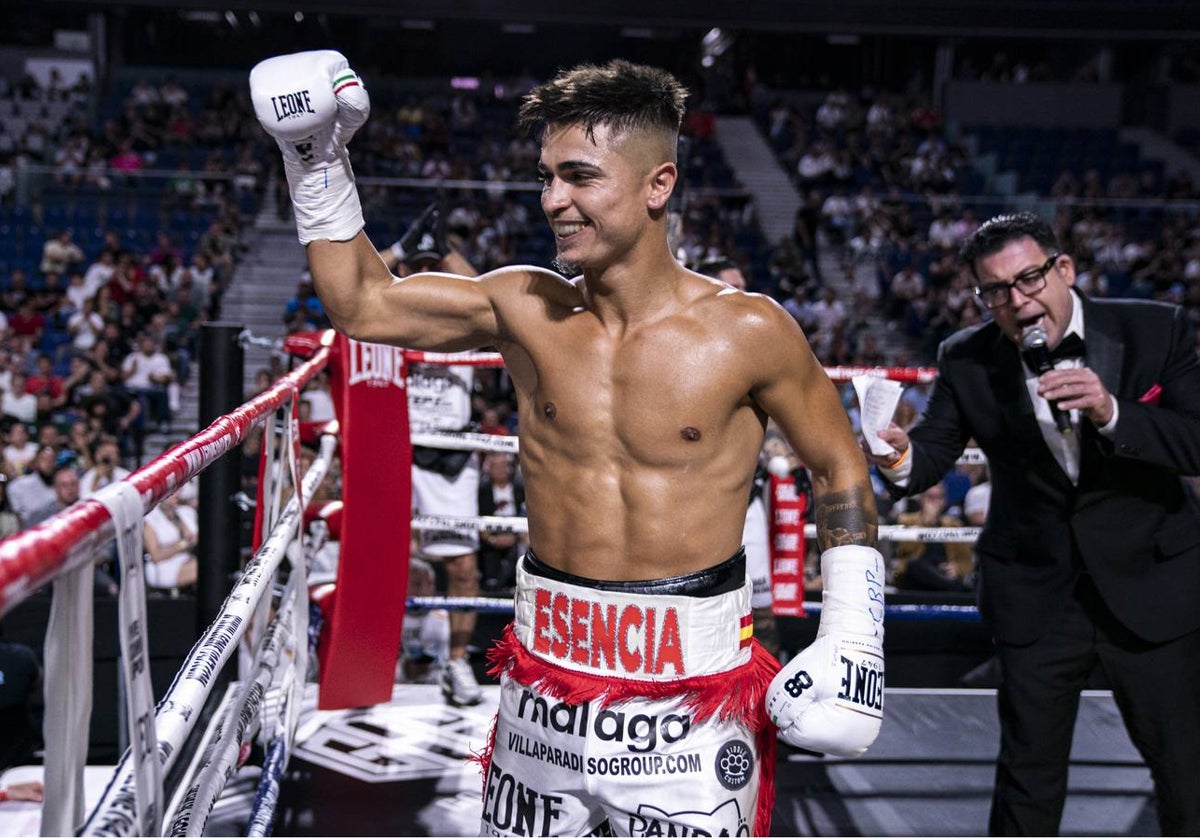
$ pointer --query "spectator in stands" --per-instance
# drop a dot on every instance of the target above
(80, 442)
(907, 286)
(830, 320)
(815, 167)
(17, 403)
(32, 495)
(942, 232)
(76, 291)
(106, 469)
(146, 373)
(125, 160)
(933, 565)
(425, 634)
(85, 326)
(170, 535)
(202, 274)
(10, 523)
(60, 253)
(26, 322)
(976, 502)
(19, 450)
(318, 398)
(96, 170)
(837, 217)
(303, 312)
(501, 493)
(491, 421)
(69, 159)
(262, 381)
(45, 382)
(15, 292)
(102, 358)
(110, 409)
(48, 434)
(165, 252)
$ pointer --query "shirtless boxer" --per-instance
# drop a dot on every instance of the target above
(633, 700)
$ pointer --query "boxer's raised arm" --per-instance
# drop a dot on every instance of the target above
(312, 103)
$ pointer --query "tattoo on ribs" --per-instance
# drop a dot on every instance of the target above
(846, 518)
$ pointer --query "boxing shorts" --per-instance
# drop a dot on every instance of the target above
(630, 708)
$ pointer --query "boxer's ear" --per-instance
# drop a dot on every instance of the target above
(660, 184)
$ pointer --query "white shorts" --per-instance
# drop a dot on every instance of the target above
(757, 542)
(434, 494)
(638, 751)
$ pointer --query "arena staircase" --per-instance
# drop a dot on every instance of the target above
(266, 279)
(1152, 145)
(757, 168)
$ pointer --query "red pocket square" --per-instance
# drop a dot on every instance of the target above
(1152, 396)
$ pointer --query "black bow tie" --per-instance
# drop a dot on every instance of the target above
(1071, 347)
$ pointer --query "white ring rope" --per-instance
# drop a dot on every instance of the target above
(239, 725)
(508, 443)
(469, 441)
(475, 441)
(115, 814)
(266, 799)
(520, 525)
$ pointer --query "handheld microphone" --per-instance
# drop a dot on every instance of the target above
(1037, 355)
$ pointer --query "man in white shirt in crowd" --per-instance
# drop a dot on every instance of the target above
(146, 373)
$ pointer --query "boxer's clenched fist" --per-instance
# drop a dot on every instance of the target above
(829, 697)
(312, 103)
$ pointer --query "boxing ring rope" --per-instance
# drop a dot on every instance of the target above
(474, 441)
(176, 715)
(509, 444)
(65, 545)
(519, 525)
(501, 606)
(33, 558)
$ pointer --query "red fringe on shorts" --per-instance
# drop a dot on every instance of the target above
(733, 695)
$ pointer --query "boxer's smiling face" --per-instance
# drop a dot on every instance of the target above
(594, 194)
(1049, 307)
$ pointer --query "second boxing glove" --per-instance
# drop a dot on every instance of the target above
(312, 103)
(424, 243)
(829, 697)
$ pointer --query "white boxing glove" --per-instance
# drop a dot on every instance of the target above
(312, 103)
(829, 697)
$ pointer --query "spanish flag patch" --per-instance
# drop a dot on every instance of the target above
(747, 630)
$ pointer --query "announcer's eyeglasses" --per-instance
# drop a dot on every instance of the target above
(1029, 282)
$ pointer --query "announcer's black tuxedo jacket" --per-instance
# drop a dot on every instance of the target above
(1130, 522)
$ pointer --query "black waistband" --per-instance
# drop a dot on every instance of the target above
(717, 580)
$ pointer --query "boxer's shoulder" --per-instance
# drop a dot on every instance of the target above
(517, 283)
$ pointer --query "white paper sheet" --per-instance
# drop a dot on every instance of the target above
(877, 400)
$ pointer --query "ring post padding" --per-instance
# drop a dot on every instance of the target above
(358, 654)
